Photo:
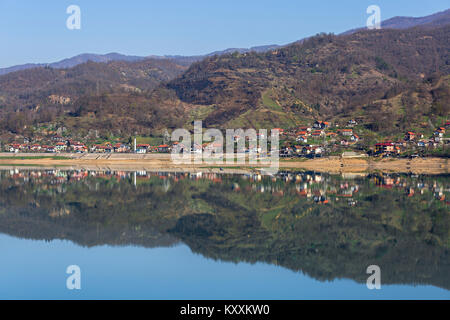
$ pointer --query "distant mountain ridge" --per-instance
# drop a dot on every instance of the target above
(114, 56)
(437, 19)
(74, 61)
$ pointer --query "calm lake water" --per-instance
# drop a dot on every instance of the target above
(298, 235)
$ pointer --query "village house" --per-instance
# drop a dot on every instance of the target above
(321, 125)
(302, 133)
(439, 132)
(14, 147)
(305, 128)
(317, 150)
(121, 148)
(409, 136)
(298, 149)
(179, 147)
(258, 135)
(57, 138)
(286, 152)
(196, 148)
(302, 139)
(384, 147)
(102, 149)
(142, 148)
(60, 146)
(354, 138)
(163, 148)
(50, 149)
(331, 134)
(317, 133)
(280, 131)
(346, 132)
(35, 148)
(79, 147)
(352, 123)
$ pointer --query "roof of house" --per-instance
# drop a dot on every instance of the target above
(386, 144)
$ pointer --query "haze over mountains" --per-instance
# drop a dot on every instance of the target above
(391, 79)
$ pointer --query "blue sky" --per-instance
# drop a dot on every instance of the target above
(35, 31)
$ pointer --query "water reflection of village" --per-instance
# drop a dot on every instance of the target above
(316, 187)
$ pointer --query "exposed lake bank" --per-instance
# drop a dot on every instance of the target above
(156, 161)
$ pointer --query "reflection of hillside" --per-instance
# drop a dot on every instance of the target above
(327, 227)
(34, 227)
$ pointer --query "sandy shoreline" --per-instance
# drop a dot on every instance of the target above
(151, 162)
